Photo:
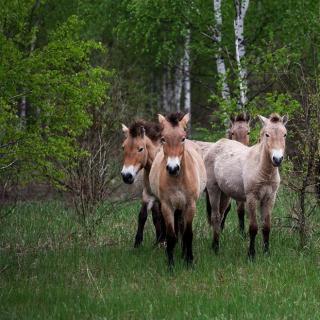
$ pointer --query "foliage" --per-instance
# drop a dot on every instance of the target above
(58, 83)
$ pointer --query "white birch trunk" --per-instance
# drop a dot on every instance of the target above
(165, 98)
(178, 85)
(241, 7)
(221, 68)
(186, 73)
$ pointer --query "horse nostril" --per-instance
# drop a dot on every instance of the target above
(127, 178)
(173, 170)
(277, 161)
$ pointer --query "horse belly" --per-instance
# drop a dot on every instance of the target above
(229, 179)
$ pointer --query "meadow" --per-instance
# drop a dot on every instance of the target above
(50, 269)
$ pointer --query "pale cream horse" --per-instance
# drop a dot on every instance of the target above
(177, 178)
(247, 174)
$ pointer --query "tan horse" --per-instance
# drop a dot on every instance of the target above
(177, 178)
(239, 130)
(141, 144)
(247, 174)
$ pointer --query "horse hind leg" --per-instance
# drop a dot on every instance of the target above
(225, 207)
(142, 218)
(241, 213)
(253, 226)
(214, 193)
(208, 206)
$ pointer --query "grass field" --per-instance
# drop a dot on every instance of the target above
(49, 270)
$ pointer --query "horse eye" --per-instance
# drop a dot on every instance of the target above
(183, 139)
(267, 135)
(141, 149)
(248, 132)
(162, 140)
(285, 135)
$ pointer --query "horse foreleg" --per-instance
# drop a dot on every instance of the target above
(241, 212)
(142, 218)
(253, 225)
(168, 215)
(158, 222)
(187, 233)
(266, 209)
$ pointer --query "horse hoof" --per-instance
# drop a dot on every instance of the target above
(137, 243)
(215, 247)
(160, 244)
(251, 255)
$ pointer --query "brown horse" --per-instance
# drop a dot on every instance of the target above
(142, 142)
(247, 174)
(177, 178)
(239, 130)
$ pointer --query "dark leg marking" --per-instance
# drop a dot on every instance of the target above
(266, 233)
(142, 218)
(253, 230)
(187, 243)
(171, 243)
(158, 221)
(208, 206)
(225, 216)
(241, 214)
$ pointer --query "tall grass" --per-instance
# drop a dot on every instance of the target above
(50, 269)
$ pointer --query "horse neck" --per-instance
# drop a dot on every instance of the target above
(152, 149)
(265, 167)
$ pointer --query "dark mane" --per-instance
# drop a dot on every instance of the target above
(275, 117)
(174, 118)
(240, 117)
(151, 129)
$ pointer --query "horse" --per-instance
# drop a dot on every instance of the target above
(177, 178)
(239, 130)
(247, 174)
(142, 142)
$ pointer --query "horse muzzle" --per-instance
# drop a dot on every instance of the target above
(173, 171)
(276, 161)
(127, 178)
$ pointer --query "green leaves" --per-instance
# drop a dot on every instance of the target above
(59, 84)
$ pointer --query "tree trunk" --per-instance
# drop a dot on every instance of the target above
(221, 68)
(187, 80)
(178, 85)
(241, 7)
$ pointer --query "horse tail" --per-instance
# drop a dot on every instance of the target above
(208, 206)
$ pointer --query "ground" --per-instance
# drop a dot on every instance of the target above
(49, 269)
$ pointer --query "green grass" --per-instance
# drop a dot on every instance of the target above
(50, 270)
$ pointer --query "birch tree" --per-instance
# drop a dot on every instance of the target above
(217, 37)
(241, 7)
(186, 73)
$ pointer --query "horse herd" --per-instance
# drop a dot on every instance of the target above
(177, 171)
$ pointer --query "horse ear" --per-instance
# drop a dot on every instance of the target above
(161, 118)
(184, 121)
(125, 129)
(285, 119)
(263, 119)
